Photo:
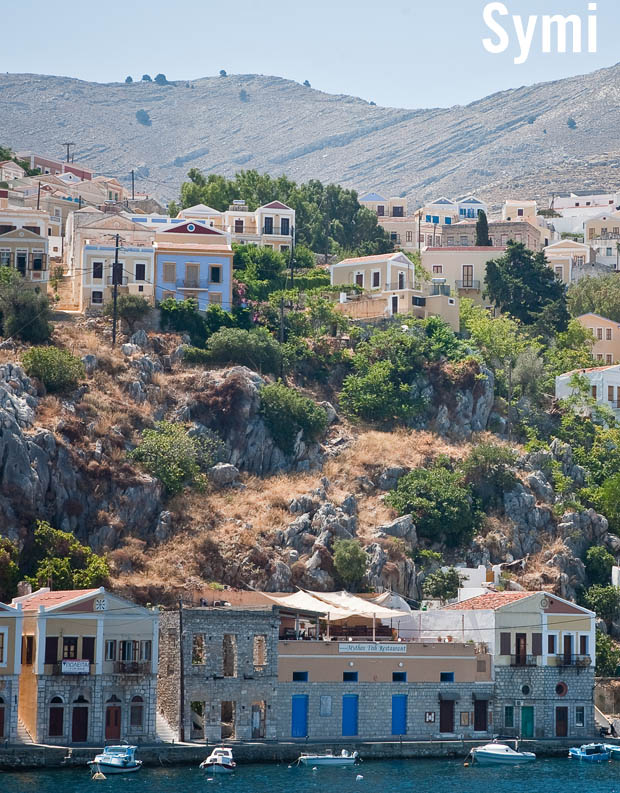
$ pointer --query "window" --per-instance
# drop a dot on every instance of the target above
(238, 226)
(610, 393)
(519, 213)
(166, 295)
(126, 650)
(427, 218)
(215, 297)
(599, 334)
(599, 356)
(447, 221)
(464, 718)
(559, 270)
(300, 677)
(349, 677)
(284, 248)
(260, 651)
(593, 391)
(110, 650)
(409, 236)
(504, 644)
(199, 654)
(380, 211)
(140, 271)
(146, 650)
(552, 644)
(2, 647)
(285, 227)
(436, 219)
(397, 212)
(438, 269)
(446, 677)
(561, 689)
(88, 649)
(468, 275)
(5, 258)
(96, 297)
(170, 272)
(359, 279)
(580, 716)
(216, 275)
(229, 654)
(608, 252)
(607, 334)
(326, 705)
(376, 279)
(584, 644)
(509, 716)
(97, 271)
(136, 713)
(399, 677)
(69, 647)
(608, 358)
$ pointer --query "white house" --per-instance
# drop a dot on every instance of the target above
(603, 381)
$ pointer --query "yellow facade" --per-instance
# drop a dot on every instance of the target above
(606, 337)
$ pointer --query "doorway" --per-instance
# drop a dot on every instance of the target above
(197, 711)
(258, 719)
(299, 716)
(561, 722)
(521, 649)
(79, 720)
(228, 720)
(446, 715)
(112, 722)
(394, 304)
(527, 721)
(21, 259)
(481, 715)
(1, 718)
(568, 649)
(349, 714)
(399, 714)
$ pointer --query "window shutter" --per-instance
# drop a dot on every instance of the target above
(551, 644)
(51, 649)
(88, 649)
(504, 644)
(537, 644)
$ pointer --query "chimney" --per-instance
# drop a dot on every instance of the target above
(24, 588)
(4, 199)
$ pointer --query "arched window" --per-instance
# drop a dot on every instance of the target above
(81, 700)
(136, 716)
(56, 726)
(113, 699)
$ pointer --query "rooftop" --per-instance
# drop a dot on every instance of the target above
(492, 601)
(379, 257)
(45, 597)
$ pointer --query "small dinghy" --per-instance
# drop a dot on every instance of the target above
(591, 752)
(220, 761)
(500, 754)
(344, 758)
(115, 760)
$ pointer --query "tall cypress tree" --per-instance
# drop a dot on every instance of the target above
(482, 229)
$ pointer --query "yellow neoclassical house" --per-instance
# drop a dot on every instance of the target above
(10, 667)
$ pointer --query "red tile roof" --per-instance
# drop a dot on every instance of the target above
(49, 599)
(275, 205)
(492, 600)
(445, 248)
(379, 257)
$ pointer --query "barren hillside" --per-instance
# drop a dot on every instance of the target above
(517, 139)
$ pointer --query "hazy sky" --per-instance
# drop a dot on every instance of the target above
(405, 53)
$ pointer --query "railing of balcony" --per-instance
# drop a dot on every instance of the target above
(523, 660)
(131, 667)
(278, 231)
(192, 283)
(581, 661)
(468, 284)
(121, 282)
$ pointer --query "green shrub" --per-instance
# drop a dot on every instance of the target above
(25, 314)
(131, 308)
(196, 355)
(598, 565)
(286, 412)
(442, 584)
(426, 558)
(9, 569)
(350, 562)
(255, 348)
(176, 456)
(607, 655)
(439, 502)
(182, 316)
(487, 470)
(57, 369)
(604, 601)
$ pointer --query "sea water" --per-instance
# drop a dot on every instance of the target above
(558, 775)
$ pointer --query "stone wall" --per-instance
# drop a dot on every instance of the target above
(536, 686)
(9, 688)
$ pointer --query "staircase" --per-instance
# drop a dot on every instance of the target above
(164, 731)
(23, 736)
(65, 293)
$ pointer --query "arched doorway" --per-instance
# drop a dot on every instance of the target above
(136, 720)
(56, 724)
(113, 718)
(79, 720)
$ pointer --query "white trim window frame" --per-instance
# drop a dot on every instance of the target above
(376, 285)
(4, 646)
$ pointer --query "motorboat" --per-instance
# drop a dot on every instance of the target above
(496, 753)
(614, 750)
(344, 758)
(591, 752)
(116, 760)
(220, 761)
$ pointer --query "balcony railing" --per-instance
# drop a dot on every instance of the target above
(132, 667)
(278, 231)
(579, 661)
(121, 281)
(468, 284)
(523, 660)
(192, 283)
(33, 262)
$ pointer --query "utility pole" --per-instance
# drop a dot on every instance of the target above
(326, 237)
(39, 196)
(115, 280)
(181, 676)
(419, 227)
(133, 185)
(68, 145)
(292, 256)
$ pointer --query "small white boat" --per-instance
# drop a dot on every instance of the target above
(220, 761)
(344, 758)
(591, 752)
(500, 754)
(116, 760)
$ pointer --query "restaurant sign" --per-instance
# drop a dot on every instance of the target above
(75, 667)
(373, 647)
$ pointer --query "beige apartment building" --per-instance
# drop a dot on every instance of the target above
(462, 268)
(606, 337)
(24, 235)
(568, 258)
(11, 618)
(384, 207)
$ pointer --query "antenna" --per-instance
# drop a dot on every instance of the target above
(68, 145)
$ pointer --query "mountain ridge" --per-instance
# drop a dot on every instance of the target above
(517, 139)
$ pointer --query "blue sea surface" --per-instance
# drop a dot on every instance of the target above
(558, 775)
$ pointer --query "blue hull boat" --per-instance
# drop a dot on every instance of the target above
(591, 753)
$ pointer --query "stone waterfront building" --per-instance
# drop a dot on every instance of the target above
(10, 665)
(89, 667)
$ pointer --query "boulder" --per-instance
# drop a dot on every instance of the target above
(330, 410)
(223, 474)
(129, 349)
(402, 528)
(349, 505)
(140, 339)
(388, 479)
(302, 504)
(90, 363)
(540, 487)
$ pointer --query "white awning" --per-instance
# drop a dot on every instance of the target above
(338, 605)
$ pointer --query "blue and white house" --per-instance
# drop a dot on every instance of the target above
(194, 260)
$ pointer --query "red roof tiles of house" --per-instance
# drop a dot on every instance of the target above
(275, 205)
(377, 257)
(49, 599)
(492, 600)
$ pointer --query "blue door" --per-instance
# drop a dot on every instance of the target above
(299, 716)
(349, 714)
(399, 714)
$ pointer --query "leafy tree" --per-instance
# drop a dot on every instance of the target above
(286, 412)
(426, 558)
(522, 284)
(131, 308)
(598, 295)
(142, 117)
(182, 316)
(24, 313)
(146, 78)
(57, 558)
(607, 500)
(598, 565)
(607, 655)
(442, 585)
(569, 350)
(160, 79)
(307, 83)
(440, 503)
(488, 469)
(482, 229)
(604, 600)
(173, 209)
(9, 569)
(57, 369)
(223, 73)
(260, 269)
(255, 348)
(350, 562)
(129, 79)
(176, 456)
